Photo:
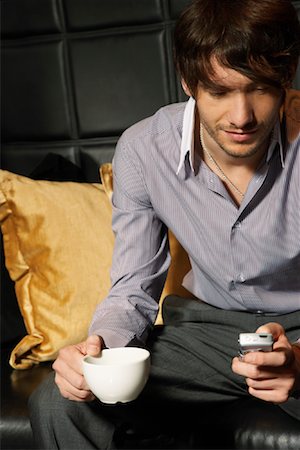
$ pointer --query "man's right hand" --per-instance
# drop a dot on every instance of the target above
(68, 369)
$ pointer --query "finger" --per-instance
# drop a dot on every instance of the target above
(73, 356)
(70, 392)
(242, 367)
(75, 378)
(69, 359)
(236, 365)
(269, 395)
(272, 327)
(281, 342)
(260, 371)
(284, 384)
(267, 359)
(93, 345)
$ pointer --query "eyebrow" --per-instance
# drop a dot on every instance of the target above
(223, 89)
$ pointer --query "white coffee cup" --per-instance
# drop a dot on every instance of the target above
(118, 374)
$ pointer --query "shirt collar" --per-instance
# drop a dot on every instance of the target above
(187, 141)
(276, 139)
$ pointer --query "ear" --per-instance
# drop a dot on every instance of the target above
(185, 88)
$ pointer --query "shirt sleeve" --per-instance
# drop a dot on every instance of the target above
(140, 260)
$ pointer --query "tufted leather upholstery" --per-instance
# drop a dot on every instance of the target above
(75, 74)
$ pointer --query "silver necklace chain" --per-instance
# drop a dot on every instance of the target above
(212, 159)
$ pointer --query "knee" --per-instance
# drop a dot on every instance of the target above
(44, 400)
(47, 398)
(46, 404)
(50, 415)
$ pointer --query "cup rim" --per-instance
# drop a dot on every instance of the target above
(145, 354)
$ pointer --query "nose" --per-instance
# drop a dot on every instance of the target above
(241, 114)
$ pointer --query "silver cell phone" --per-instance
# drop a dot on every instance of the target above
(255, 342)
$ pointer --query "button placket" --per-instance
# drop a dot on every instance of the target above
(238, 276)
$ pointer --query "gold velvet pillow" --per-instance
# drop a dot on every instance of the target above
(58, 245)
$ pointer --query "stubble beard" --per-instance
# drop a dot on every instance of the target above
(240, 151)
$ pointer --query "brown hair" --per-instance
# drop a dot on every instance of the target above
(258, 38)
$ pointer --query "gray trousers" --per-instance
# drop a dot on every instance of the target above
(190, 369)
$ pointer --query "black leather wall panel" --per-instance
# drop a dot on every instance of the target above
(107, 13)
(116, 82)
(35, 105)
(91, 158)
(29, 17)
(176, 6)
(297, 78)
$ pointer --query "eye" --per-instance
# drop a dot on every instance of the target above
(261, 89)
(217, 94)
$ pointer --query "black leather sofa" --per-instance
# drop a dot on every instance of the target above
(75, 74)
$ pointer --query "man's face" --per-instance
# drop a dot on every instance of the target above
(238, 115)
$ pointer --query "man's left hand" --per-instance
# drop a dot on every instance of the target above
(271, 376)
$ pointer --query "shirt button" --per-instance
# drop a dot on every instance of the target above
(237, 225)
(241, 277)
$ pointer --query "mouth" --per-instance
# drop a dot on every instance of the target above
(240, 136)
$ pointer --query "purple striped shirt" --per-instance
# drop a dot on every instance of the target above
(244, 258)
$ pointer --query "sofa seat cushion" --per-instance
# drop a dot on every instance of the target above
(16, 387)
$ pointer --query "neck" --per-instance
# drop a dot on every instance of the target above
(231, 186)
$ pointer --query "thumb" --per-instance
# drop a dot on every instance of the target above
(272, 327)
(93, 345)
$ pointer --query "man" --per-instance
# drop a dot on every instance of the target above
(223, 172)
